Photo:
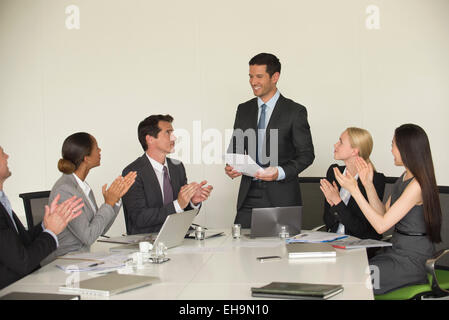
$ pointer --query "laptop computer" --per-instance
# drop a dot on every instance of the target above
(172, 232)
(267, 222)
(109, 284)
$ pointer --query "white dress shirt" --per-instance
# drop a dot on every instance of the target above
(270, 104)
(86, 190)
(159, 170)
(345, 195)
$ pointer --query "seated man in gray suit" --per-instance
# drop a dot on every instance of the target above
(161, 186)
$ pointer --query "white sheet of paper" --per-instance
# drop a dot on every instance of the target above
(242, 163)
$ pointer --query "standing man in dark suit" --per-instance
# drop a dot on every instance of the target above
(274, 131)
(21, 251)
(161, 185)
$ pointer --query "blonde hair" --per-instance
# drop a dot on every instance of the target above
(362, 140)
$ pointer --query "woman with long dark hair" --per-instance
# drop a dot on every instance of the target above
(413, 209)
(80, 154)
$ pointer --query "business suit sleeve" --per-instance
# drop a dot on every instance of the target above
(302, 141)
(19, 258)
(116, 209)
(236, 143)
(330, 218)
(139, 212)
(87, 232)
(353, 218)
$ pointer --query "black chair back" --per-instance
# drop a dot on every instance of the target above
(34, 204)
(312, 202)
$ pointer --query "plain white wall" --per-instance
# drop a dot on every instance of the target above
(130, 59)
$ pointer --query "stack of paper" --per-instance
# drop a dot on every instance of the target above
(310, 250)
(316, 237)
(360, 243)
(93, 261)
(242, 163)
(131, 239)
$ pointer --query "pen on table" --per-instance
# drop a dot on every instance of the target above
(197, 225)
(95, 264)
(105, 236)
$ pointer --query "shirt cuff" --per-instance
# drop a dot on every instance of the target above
(177, 207)
(119, 203)
(195, 206)
(281, 173)
(51, 233)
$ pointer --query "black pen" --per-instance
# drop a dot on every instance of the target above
(95, 264)
(197, 225)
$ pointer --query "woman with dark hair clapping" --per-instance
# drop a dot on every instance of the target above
(413, 209)
(80, 153)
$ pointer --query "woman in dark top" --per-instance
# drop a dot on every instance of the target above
(341, 212)
(413, 209)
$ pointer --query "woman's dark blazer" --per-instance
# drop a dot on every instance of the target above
(350, 215)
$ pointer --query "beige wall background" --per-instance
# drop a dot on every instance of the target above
(133, 58)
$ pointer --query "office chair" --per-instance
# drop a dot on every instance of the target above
(34, 204)
(437, 267)
(312, 202)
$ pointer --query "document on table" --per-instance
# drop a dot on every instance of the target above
(93, 262)
(316, 237)
(242, 163)
(131, 239)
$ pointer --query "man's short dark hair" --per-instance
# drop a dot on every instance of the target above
(270, 60)
(150, 126)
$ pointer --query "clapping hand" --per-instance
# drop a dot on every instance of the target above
(330, 192)
(57, 216)
(365, 171)
(346, 181)
(202, 193)
(186, 193)
(119, 187)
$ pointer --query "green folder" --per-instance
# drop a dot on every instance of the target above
(295, 290)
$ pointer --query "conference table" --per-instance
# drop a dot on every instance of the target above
(221, 268)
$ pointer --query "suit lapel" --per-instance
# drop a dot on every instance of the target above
(252, 114)
(274, 119)
(7, 217)
(87, 208)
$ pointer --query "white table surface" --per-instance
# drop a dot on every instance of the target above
(222, 268)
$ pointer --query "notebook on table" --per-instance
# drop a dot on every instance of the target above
(295, 290)
(109, 284)
(38, 296)
(310, 250)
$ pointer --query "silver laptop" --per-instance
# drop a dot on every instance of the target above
(109, 284)
(175, 228)
(172, 232)
(267, 222)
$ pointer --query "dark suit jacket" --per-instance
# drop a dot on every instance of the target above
(294, 148)
(350, 215)
(21, 253)
(143, 203)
